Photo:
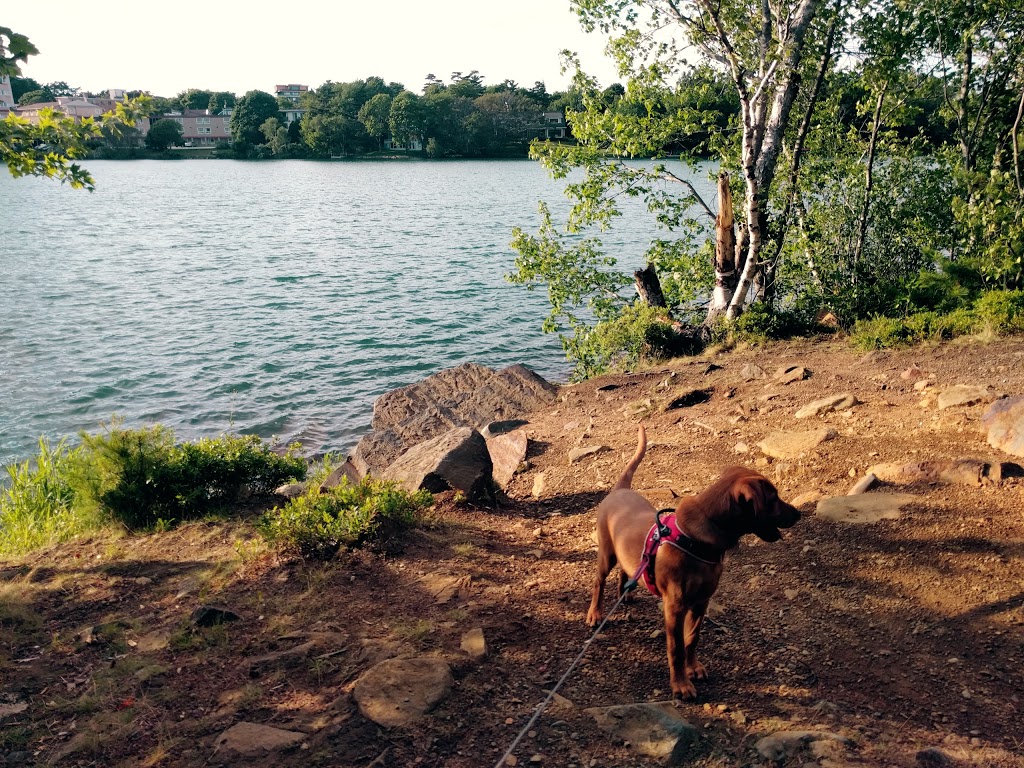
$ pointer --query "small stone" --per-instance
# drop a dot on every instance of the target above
(511, 760)
(536, 759)
(741, 448)
(538, 485)
(474, 643)
(863, 485)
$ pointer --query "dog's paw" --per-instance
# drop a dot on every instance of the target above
(684, 689)
(697, 672)
(594, 618)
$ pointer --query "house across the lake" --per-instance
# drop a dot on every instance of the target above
(292, 92)
(201, 128)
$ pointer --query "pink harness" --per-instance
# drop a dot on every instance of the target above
(666, 531)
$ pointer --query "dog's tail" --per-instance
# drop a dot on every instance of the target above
(641, 448)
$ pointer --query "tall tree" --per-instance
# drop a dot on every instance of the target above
(374, 115)
(250, 113)
(406, 118)
(163, 134)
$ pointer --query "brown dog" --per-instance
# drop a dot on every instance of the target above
(685, 574)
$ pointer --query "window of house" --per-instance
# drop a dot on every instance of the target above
(204, 130)
(203, 120)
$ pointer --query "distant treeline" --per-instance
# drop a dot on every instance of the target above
(466, 118)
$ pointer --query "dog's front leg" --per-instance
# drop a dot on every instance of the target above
(675, 639)
(691, 632)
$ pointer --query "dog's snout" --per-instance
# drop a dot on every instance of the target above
(789, 515)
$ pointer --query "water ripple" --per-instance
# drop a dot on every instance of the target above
(274, 298)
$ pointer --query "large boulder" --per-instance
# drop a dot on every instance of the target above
(470, 395)
(1004, 420)
(508, 452)
(456, 460)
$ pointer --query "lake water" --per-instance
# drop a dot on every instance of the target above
(275, 298)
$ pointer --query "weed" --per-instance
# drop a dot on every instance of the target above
(464, 549)
(250, 550)
(416, 632)
(37, 507)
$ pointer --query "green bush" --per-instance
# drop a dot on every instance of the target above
(1000, 312)
(140, 476)
(316, 525)
(639, 333)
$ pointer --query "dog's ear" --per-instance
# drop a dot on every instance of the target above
(754, 498)
(748, 496)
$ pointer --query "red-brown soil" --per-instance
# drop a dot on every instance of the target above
(903, 635)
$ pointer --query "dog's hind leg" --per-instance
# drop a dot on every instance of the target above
(605, 563)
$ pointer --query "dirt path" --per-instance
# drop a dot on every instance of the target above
(905, 637)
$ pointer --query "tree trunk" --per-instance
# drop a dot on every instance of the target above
(725, 251)
(648, 286)
(862, 225)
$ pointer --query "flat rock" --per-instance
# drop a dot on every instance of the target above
(791, 373)
(252, 739)
(456, 460)
(970, 472)
(507, 452)
(578, 454)
(655, 729)
(965, 394)
(290, 490)
(779, 746)
(470, 395)
(398, 692)
(1004, 423)
(11, 706)
(824, 405)
(791, 445)
(864, 508)
(751, 372)
(808, 497)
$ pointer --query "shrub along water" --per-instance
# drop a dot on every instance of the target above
(139, 478)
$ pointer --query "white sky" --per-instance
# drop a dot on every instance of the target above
(234, 45)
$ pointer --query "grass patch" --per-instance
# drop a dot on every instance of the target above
(316, 525)
(415, 632)
(139, 478)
